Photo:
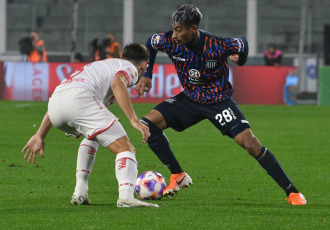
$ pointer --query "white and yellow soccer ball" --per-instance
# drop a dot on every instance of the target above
(150, 185)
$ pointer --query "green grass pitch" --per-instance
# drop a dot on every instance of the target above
(230, 190)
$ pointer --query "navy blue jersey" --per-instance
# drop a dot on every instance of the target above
(203, 70)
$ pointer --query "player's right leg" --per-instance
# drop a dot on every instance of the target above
(85, 161)
(170, 113)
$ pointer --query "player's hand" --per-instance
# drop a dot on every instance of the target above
(234, 58)
(143, 129)
(33, 146)
(144, 85)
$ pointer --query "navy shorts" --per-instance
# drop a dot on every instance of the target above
(180, 113)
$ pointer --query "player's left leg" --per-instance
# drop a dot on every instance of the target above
(85, 161)
(267, 160)
(230, 120)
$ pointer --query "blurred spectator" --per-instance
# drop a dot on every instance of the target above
(98, 49)
(105, 48)
(38, 53)
(25, 46)
(78, 57)
(273, 56)
(94, 50)
(113, 50)
(102, 45)
(290, 91)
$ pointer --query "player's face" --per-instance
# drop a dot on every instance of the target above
(142, 70)
(182, 34)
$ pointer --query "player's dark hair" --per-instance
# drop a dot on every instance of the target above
(187, 15)
(135, 53)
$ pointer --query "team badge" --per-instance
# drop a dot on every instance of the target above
(210, 64)
(155, 40)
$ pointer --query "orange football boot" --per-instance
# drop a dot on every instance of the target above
(296, 199)
(177, 181)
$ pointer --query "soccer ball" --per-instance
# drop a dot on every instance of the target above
(150, 185)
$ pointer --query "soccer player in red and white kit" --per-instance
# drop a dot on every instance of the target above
(78, 106)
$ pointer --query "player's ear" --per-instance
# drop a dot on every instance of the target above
(194, 28)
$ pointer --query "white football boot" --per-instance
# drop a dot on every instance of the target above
(134, 203)
(80, 199)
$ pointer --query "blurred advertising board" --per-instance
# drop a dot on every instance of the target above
(2, 81)
(260, 85)
(37, 81)
(324, 86)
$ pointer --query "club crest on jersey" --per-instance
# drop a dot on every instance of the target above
(194, 76)
(154, 41)
(210, 64)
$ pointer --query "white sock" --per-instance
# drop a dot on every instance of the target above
(126, 174)
(85, 161)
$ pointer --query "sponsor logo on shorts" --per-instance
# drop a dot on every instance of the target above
(171, 100)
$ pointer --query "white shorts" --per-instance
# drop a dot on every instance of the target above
(78, 111)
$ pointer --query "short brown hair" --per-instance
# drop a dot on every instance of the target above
(136, 53)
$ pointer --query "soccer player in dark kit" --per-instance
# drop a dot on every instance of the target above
(200, 59)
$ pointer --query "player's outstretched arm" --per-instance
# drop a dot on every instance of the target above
(243, 54)
(119, 89)
(144, 85)
(36, 142)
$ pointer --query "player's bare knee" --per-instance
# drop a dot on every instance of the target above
(121, 145)
(249, 142)
(157, 119)
(253, 146)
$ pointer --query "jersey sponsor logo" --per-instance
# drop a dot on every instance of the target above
(178, 58)
(194, 76)
(210, 64)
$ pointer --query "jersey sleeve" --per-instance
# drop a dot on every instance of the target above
(236, 46)
(154, 43)
(130, 73)
(158, 42)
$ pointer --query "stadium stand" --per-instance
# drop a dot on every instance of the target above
(278, 21)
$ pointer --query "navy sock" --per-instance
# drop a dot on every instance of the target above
(268, 161)
(158, 143)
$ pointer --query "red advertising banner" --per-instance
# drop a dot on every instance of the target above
(37, 81)
(26, 81)
(60, 71)
(165, 84)
(261, 85)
